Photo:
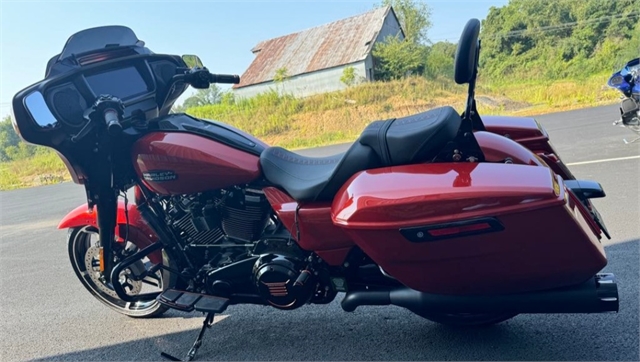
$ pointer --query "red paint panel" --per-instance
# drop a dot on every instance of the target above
(199, 163)
(546, 243)
(317, 230)
(434, 193)
(519, 129)
(496, 148)
(538, 250)
(283, 205)
(318, 233)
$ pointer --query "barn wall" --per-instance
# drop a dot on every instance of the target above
(304, 85)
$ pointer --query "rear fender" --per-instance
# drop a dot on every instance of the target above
(139, 233)
(497, 148)
(529, 133)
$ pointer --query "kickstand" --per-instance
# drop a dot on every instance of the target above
(629, 142)
(194, 349)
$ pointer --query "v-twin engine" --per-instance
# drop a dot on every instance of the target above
(230, 218)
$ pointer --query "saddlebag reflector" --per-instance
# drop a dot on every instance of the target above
(451, 230)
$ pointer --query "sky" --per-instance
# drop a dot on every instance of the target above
(221, 33)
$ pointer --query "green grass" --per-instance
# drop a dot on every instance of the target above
(340, 116)
(44, 168)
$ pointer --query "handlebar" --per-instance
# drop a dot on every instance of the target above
(200, 78)
(111, 119)
(224, 78)
(107, 109)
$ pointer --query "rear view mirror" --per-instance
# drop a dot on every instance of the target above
(192, 61)
(39, 111)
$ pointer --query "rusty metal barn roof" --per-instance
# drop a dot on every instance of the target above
(341, 42)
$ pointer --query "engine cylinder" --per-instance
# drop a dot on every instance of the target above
(284, 282)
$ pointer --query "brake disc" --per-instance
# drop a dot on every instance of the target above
(92, 263)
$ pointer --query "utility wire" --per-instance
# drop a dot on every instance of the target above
(549, 28)
(545, 29)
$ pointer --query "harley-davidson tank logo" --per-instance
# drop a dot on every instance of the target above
(160, 175)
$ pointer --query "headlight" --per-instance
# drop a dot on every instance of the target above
(617, 80)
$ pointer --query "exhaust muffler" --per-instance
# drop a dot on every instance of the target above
(597, 295)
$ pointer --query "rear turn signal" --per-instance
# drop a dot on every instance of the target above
(451, 230)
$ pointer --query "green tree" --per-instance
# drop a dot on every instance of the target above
(440, 60)
(8, 138)
(395, 57)
(202, 97)
(398, 58)
(348, 76)
(11, 146)
(281, 75)
(414, 17)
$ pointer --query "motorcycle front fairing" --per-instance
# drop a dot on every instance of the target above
(59, 112)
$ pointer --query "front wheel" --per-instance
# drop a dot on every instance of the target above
(84, 256)
(466, 319)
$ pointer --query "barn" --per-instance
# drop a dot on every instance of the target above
(314, 60)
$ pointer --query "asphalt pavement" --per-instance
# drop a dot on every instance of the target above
(45, 313)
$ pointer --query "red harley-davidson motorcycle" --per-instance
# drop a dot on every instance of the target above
(462, 219)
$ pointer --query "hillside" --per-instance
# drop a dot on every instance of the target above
(559, 39)
(340, 116)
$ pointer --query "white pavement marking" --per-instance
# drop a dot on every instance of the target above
(605, 160)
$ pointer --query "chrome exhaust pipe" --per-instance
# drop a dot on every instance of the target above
(597, 295)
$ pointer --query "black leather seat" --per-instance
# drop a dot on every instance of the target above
(401, 141)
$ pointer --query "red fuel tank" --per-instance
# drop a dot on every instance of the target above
(173, 163)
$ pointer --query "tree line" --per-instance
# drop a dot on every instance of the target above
(11, 146)
(523, 40)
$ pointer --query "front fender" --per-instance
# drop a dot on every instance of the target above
(140, 233)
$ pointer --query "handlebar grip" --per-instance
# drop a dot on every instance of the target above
(224, 78)
(113, 124)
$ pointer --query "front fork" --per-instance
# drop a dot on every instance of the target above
(105, 199)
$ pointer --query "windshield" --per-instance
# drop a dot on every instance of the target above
(99, 38)
(631, 66)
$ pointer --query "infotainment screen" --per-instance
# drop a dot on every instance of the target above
(123, 83)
